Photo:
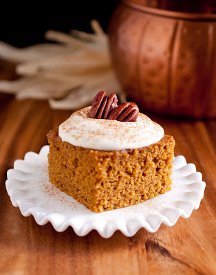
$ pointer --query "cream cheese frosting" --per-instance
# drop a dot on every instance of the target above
(108, 135)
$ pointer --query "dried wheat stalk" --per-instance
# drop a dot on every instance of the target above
(68, 74)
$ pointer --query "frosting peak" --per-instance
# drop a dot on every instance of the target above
(107, 135)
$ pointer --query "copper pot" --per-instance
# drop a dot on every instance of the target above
(165, 60)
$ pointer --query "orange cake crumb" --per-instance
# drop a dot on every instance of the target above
(105, 180)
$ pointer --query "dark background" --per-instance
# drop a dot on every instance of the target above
(24, 23)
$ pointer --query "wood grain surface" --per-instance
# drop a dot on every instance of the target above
(27, 248)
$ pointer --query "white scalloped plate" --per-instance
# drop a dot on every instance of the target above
(29, 189)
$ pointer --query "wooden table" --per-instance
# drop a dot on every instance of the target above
(27, 248)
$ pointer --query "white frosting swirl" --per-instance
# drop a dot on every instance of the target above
(108, 135)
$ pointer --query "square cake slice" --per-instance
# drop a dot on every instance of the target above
(105, 180)
(110, 155)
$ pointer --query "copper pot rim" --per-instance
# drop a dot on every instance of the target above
(172, 14)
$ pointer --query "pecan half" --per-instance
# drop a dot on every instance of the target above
(96, 103)
(125, 112)
(112, 103)
(102, 105)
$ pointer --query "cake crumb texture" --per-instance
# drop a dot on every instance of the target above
(105, 180)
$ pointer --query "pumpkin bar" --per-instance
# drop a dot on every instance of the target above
(108, 175)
